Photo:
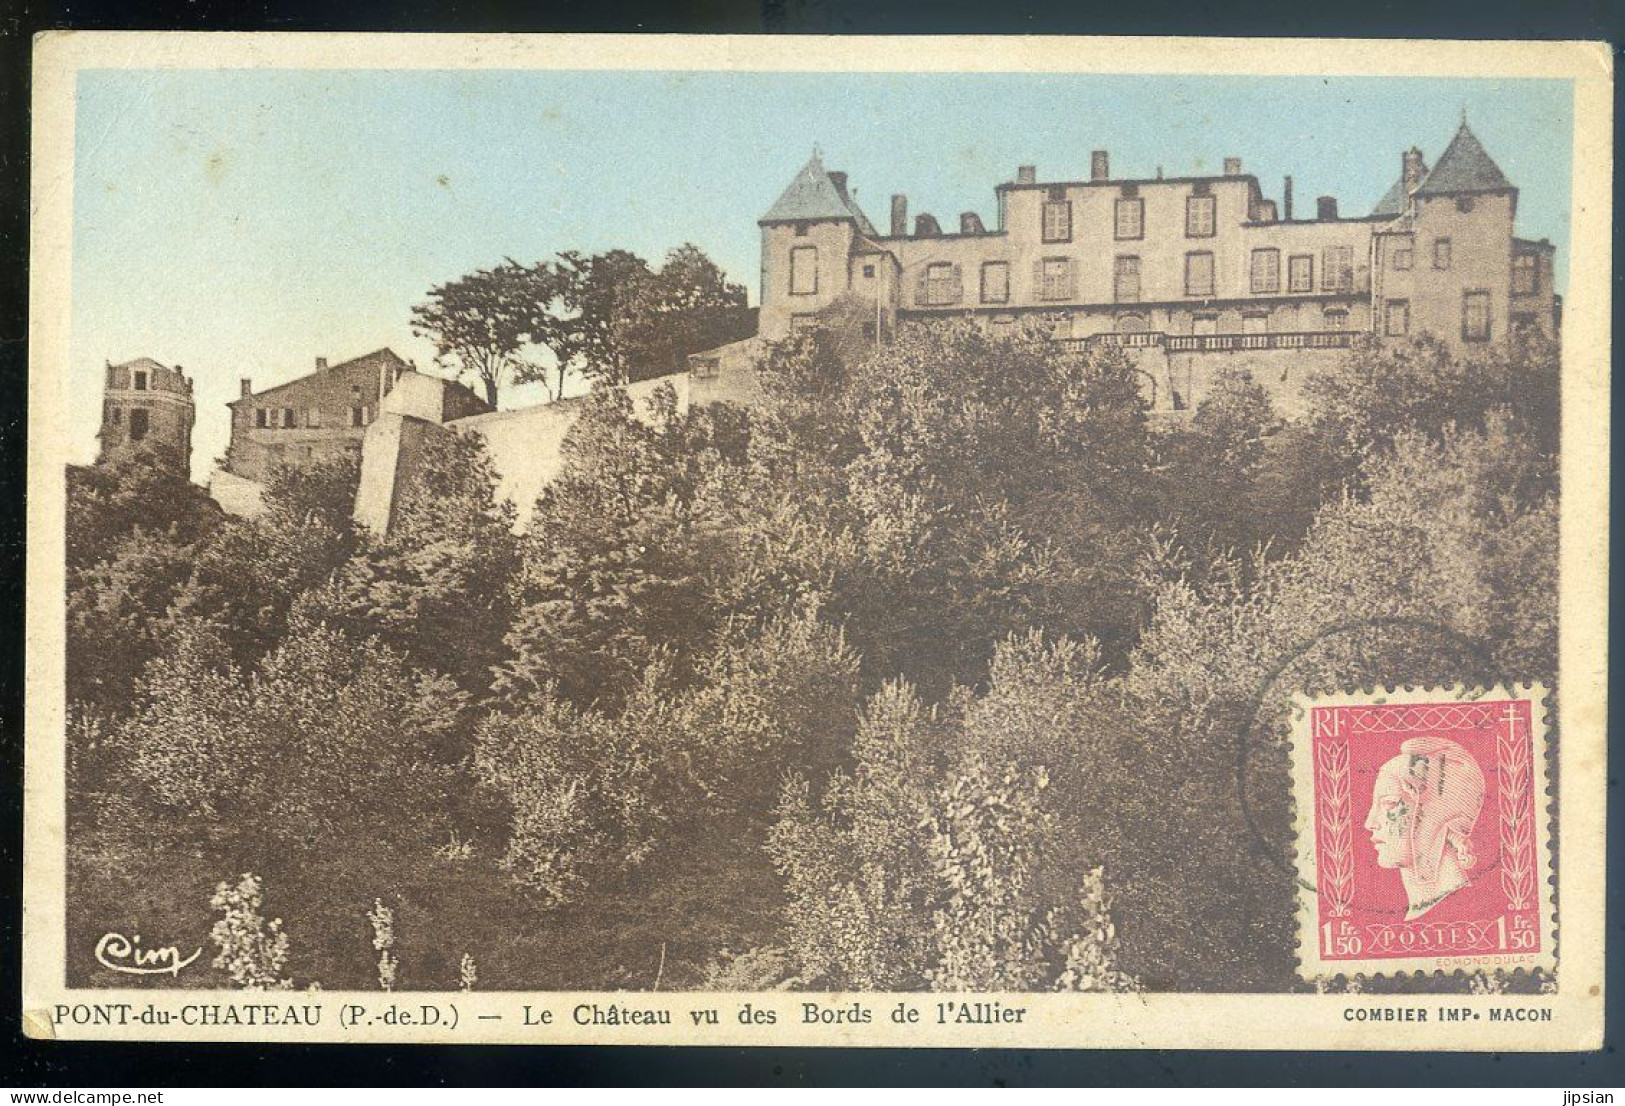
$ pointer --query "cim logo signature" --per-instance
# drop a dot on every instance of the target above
(125, 954)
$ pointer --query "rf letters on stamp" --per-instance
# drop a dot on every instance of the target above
(944, 542)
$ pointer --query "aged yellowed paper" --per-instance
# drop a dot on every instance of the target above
(965, 542)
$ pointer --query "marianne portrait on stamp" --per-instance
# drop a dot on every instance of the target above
(1424, 806)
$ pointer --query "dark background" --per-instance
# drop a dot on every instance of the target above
(83, 1065)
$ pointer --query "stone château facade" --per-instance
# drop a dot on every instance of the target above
(1176, 266)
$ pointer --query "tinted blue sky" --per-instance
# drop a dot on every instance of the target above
(242, 223)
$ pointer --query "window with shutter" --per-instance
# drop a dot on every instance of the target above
(1199, 274)
(1199, 216)
(1266, 271)
(1337, 269)
(995, 282)
(1130, 219)
(1300, 273)
(1126, 279)
(942, 284)
(1057, 221)
(1053, 276)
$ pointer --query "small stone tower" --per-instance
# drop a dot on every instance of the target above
(147, 406)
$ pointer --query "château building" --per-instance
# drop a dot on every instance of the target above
(1175, 266)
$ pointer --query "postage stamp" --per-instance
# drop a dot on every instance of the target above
(1424, 832)
(817, 541)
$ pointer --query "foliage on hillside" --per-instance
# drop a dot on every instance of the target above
(949, 666)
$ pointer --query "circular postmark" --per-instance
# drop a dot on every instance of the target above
(1430, 654)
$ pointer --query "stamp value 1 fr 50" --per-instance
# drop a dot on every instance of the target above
(1423, 832)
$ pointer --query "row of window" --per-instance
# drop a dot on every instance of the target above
(140, 379)
(1403, 259)
(1128, 222)
(1475, 317)
(140, 420)
(941, 283)
(1055, 278)
(308, 418)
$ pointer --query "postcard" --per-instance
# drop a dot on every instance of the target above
(953, 542)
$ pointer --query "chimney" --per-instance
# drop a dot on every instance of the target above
(925, 226)
(245, 388)
(839, 181)
(1026, 174)
(899, 215)
(1232, 167)
(1410, 167)
(321, 364)
(1100, 165)
(1286, 200)
(970, 223)
(1326, 208)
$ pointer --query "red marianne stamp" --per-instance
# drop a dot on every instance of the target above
(1423, 832)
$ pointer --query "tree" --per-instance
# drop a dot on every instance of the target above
(324, 735)
(107, 501)
(437, 586)
(615, 319)
(611, 570)
(134, 528)
(247, 578)
(483, 323)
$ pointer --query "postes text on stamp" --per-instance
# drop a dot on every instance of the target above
(1423, 832)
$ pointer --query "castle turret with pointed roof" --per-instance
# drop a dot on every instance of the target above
(817, 247)
(1446, 260)
(1174, 266)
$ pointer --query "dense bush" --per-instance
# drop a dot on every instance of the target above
(589, 789)
(938, 863)
(945, 639)
(323, 736)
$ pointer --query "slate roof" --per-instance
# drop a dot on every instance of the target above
(375, 360)
(1464, 167)
(1393, 200)
(814, 195)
